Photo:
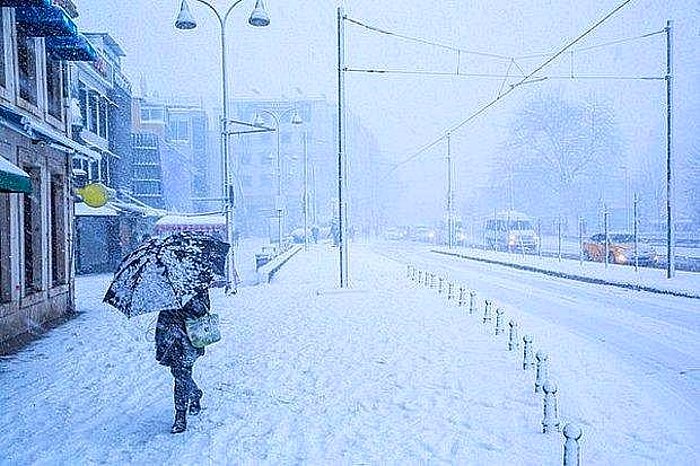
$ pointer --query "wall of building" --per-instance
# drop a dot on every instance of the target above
(36, 279)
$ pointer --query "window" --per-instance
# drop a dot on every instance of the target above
(149, 187)
(27, 64)
(3, 73)
(58, 231)
(33, 256)
(152, 114)
(53, 88)
(199, 132)
(180, 130)
(93, 171)
(144, 172)
(5, 264)
(93, 111)
(104, 109)
(83, 99)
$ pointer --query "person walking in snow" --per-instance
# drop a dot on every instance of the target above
(175, 350)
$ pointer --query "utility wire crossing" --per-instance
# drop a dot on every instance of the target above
(523, 77)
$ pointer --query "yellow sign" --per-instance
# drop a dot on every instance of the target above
(94, 195)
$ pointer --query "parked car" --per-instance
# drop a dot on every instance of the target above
(620, 250)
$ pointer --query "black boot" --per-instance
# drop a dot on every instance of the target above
(180, 424)
(196, 404)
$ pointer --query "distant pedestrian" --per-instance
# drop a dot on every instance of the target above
(175, 350)
(314, 233)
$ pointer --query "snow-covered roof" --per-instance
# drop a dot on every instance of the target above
(171, 220)
(83, 210)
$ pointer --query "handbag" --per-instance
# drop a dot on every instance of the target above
(203, 331)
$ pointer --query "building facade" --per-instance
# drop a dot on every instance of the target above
(103, 96)
(36, 282)
(310, 146)
(179, 134)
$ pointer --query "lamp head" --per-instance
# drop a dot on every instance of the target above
(185, 20)
(259, 16)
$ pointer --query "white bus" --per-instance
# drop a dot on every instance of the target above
(511, 231)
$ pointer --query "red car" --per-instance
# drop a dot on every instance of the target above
(620, 250)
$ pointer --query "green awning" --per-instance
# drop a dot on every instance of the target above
(13, 179)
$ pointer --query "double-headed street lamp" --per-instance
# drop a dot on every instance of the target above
(260, 122)
(185, 21)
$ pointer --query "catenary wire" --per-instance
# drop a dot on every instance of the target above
(512, 87)
(424, 41)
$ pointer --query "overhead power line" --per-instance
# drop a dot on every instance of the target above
(528, 78)
(496, 76)
(428, 73)
(426, 42)
(595, 46)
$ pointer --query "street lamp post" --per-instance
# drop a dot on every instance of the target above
(296, 120)
(306, 193)
(185, 21)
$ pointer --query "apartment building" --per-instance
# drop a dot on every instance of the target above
(38, 39)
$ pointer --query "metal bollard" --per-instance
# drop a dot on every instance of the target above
(542, 370)
(472, 302)
(450, 291)
(461, 296)
(441, 283)
(499, 321)
(528, 360)
(550, 421)
(513, 342)
(572, 450)
(487, 312)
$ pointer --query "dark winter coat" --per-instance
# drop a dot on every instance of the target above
(173, 346)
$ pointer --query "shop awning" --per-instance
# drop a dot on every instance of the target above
(37, 131)
(45, 22)
(70, 48)
(13, 179)
(107, 210)
(26, 3)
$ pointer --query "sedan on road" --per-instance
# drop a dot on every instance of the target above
(620, 250)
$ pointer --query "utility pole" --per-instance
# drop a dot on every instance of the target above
(636, 232)
(670, 261)
(606, 249)
(450, 207)
(341, 148)
(306, 194)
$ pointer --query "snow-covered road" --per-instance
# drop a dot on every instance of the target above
(387, 372)
(647, 329)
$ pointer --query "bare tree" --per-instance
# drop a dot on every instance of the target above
(560, 155)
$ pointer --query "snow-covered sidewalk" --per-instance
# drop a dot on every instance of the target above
(384, 373)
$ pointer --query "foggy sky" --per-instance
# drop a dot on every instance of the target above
(296, 56)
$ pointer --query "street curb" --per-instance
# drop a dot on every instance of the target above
(268, 271)
(568, 276)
